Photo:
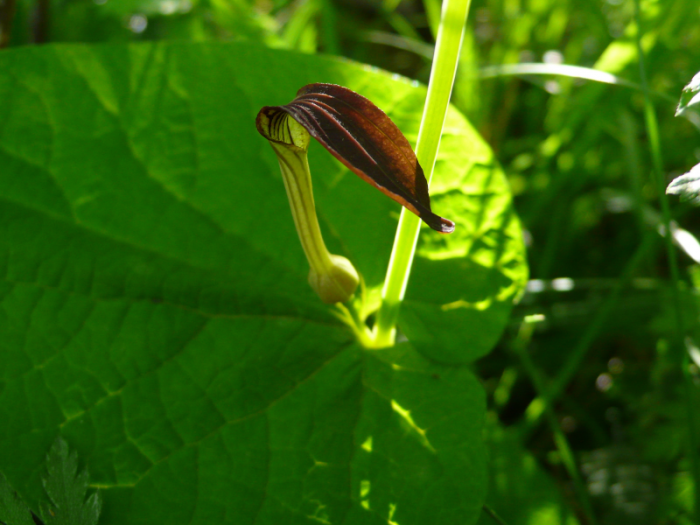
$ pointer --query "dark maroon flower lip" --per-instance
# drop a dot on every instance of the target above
(363, 138)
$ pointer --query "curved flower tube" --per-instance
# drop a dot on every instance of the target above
(332, 277)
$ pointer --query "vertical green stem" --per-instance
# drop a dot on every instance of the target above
(657, 160)
(442, 75)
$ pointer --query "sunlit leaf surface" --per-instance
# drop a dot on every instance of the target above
(687, 186)
(690, 95)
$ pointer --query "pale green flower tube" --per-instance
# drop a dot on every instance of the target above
(332, 277)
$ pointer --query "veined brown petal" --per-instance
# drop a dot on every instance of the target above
(361, 136)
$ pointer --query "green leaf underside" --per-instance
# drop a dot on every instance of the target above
(156, 311)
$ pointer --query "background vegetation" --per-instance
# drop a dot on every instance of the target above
(589, 408)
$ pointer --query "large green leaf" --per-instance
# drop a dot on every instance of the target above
(155, 309)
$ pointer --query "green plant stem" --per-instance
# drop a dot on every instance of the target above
(658, 171)
(442, 75)
(567, 455)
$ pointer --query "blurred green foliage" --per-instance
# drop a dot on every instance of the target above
(578, 158)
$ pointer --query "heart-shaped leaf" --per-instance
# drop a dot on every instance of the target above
(155, 310)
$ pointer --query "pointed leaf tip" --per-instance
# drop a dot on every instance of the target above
(447, 226)
(365, 140)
